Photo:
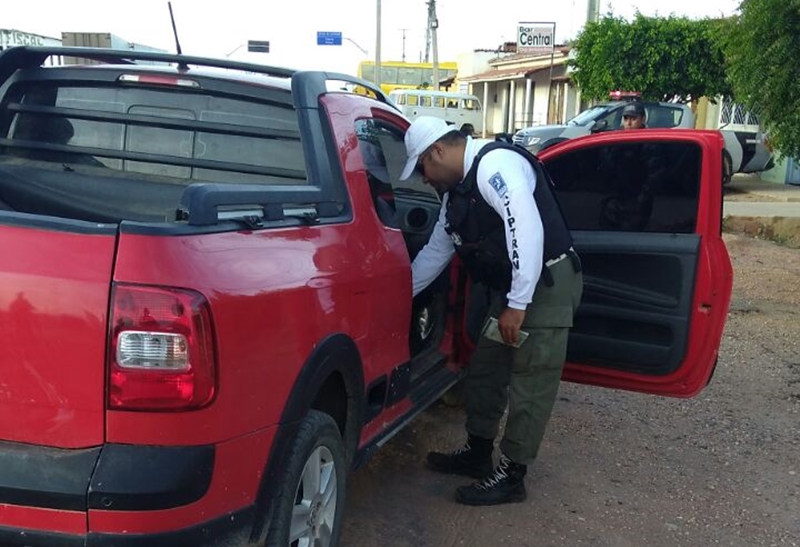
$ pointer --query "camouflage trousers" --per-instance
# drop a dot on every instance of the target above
(524, 379)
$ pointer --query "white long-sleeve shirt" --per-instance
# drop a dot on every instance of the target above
(506, 181)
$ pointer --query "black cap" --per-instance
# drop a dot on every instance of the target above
(634, 108)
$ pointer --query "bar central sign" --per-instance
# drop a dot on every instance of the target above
(536, 38)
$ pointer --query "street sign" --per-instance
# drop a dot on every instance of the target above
(536, 38)
(258, 46)
(329, 38)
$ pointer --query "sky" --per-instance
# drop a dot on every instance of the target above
(222, 28)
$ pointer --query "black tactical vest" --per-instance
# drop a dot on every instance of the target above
(478, 232)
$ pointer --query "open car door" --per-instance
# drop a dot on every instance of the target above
(645, 210)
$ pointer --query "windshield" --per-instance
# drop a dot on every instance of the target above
(588, 116)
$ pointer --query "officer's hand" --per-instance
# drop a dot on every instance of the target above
(509, 323)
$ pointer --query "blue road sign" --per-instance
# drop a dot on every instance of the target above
(329, 38)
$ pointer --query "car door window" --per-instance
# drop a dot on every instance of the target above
(633, 187)
(664, 117)
(613, 117)
(384, 154)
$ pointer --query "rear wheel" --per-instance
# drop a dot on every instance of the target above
(727, 168)
(310, 497)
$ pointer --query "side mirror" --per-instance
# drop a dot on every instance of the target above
(598, 126)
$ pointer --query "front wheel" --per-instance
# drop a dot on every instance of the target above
(310, 496)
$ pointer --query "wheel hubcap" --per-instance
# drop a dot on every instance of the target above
(315, 508)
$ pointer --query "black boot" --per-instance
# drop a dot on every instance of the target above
(474, 459)
(505, 485)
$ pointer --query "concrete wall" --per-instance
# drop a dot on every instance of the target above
(103, 40)
(474, 62)
(711, 118)
(506, 107)
(573, 107)
(491, 97)
(786, 171)
(505, 104)
(540, 99)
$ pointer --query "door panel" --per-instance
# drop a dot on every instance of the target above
(413, 208)
(415, 218)
(636, 300)
(644, 208)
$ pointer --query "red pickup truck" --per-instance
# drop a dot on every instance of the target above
(206, 310)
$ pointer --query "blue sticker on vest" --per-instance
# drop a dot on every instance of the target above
(498, 184)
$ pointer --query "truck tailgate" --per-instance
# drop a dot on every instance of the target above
(54, 290)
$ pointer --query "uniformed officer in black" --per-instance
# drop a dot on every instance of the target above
(500, 215)
(634, 116)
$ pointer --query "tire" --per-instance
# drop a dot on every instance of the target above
(311, 493)
(727, 168)
(428, 314)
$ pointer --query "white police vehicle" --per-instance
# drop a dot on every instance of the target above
(745, 151)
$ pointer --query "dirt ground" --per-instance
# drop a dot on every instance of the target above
(622, 469)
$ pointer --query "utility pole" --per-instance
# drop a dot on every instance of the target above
(378, 46)
(593, 11)
(433, 24)
(427, 42)
(403, 30)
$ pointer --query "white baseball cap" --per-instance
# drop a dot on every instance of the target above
(423, 132)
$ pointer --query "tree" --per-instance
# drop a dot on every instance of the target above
(762, 46)
(663, 58)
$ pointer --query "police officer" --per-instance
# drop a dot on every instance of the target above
(499, 214)
(634, 116)
(635, 173)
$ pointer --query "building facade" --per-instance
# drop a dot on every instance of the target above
(519, 90)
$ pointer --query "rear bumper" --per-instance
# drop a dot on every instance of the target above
(233, 529)
(47, 496)
(111, 477)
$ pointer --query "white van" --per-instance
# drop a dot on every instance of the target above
(455, 108)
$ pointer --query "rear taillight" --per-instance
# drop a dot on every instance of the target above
(161, 350)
